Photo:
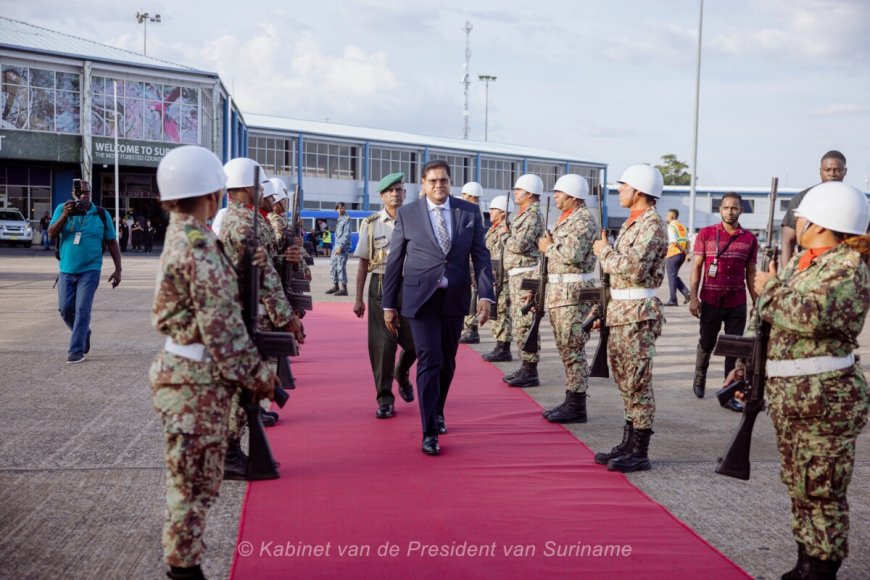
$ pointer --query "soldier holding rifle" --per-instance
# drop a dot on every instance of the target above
(570, 263)
(521, 257)
(207, 356)
(634, 314)
(818, 396)
(500, 323)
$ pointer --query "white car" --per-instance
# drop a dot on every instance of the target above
(14, 228)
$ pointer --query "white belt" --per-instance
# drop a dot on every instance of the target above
(632, 293)
(808, 366)
(557, 278)
(515, 271)
(261, 310)
(195, 351)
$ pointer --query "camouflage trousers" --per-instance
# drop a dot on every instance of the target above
(630, 351)
(522, 323)
(501, 324)
(571, 342)
(338, 267)
(816, 429)
(194, 470)
(238, 419)
(471, 319)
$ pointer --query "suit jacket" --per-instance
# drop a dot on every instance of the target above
(416, 262)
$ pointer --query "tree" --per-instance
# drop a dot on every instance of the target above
(674, 171)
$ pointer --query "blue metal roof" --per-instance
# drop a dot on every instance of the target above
(335, 130)
(19, 35)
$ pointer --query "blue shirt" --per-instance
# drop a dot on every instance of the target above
(87, 255)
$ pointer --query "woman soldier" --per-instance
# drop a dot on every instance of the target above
(816, 391)
(207, 355)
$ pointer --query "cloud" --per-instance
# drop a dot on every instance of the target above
(841, 109)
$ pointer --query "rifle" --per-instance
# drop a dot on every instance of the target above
(261, 465)
(498, 268)
(292, 275)
(735, 462)
(531, 343)
(297, 228)
(601, 296)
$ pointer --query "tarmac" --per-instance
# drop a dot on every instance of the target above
(81, 460)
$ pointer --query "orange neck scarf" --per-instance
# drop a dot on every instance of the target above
(565, 215)
(810, 255)
(634, 215)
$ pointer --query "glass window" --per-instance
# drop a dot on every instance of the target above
(548, 172)
(31, 100)
(277, 155)
(461, 166)
(383, 161)
(499, 174)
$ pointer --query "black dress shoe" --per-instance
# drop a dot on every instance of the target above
(384, 412)
(734, 405)
(430, 445)
(406, 389)
(442, 426)
(670, 303)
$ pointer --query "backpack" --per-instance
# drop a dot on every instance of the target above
(100, 212)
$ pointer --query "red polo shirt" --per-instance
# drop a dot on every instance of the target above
(728, 288)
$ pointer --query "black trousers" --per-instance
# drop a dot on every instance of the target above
(436, 338)
(672, 268)
(713, 318)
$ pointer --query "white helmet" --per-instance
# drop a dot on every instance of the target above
(572, 185)
(644, 178)
(499, 202)
(836, 206)
(240, 172)
(280, 188)
(472, 188)
(268, 188)
(189, 171)
(530, 183)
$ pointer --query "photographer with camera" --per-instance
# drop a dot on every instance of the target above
(81, 230)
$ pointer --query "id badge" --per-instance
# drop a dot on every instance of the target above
(77, 239)
(711, 271)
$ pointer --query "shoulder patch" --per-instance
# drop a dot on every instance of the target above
(372, 217)
(194, 236)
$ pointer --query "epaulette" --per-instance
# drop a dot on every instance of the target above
(372, 217)
(194, 236)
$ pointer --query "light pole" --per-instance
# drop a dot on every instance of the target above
(693, 187)
(143, 18)
(486, 79)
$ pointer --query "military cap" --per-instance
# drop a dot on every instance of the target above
(390, 180)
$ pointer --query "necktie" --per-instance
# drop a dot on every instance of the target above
(441, 230)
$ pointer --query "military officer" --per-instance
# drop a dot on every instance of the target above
(817, 394)
(471, 192)
(521, 257)
(634, 315)
(501, 323)
(372, 249)
(569, 268)
(207, 355)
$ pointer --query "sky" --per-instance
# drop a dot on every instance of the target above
(782, 81)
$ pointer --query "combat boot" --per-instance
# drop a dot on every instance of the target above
(818, 569)
(637, 459)
(235, 461)
(470, 335)
(342, 291)
(501, 353)
(333, 290)
(800, 569)
(574, 410)
(514, 374)
(192, 573)
(621, 449)
(702, 361)
(547, 412)
(527, 377)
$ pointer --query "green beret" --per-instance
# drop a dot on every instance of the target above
(389, 181)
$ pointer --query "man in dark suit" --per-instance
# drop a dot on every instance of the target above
(428, 263)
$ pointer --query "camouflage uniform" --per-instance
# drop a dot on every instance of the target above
(521, 251)
(571, 253)
(277, 312)
(338, 262)
(637, 261)
(470, 320)
(818, 312)
(501, 324)
(197, 302)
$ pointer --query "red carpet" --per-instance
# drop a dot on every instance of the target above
(511, 496)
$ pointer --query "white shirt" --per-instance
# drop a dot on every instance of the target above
(218, 219)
